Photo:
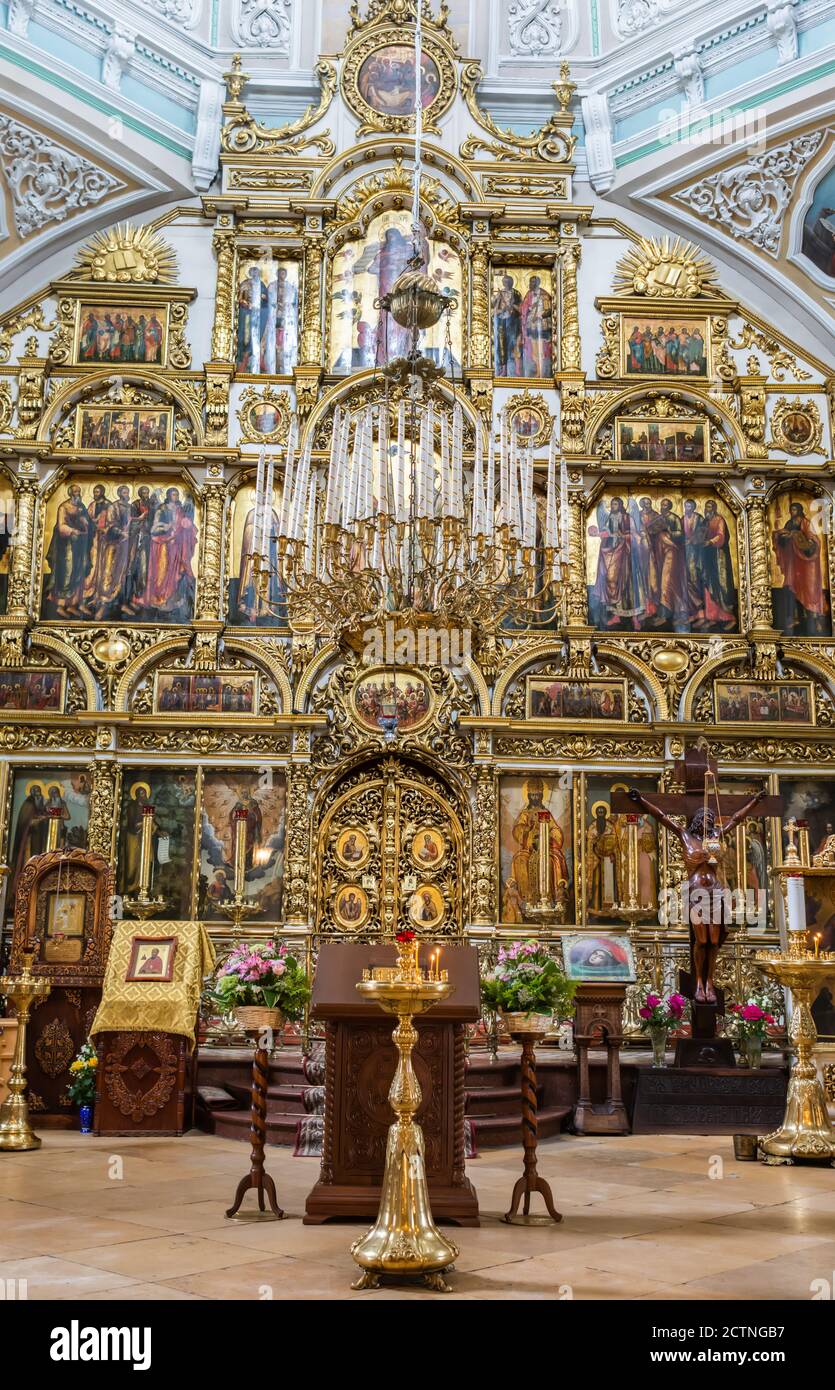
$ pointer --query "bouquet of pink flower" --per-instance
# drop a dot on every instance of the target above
(749, 1020)
(261, 974)
(656, 1012)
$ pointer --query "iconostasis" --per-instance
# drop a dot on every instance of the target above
(141, 661)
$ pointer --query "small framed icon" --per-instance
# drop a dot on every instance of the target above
(350, 908)
(428, 848)
(353, 848)
(152, 958)
(426, 908)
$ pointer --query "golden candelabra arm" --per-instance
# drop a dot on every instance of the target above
(16, 1133)
(143, 905)
(632, 911)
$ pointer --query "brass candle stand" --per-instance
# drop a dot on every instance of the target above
(806, 1132)
(240, 908)
(16, 1133)
(404, 1241)
(143, 905)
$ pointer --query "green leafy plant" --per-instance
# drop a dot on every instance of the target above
(82, 1086)
(266, 976)
(526, 979)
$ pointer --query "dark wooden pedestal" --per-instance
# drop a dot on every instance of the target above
(703, 1048)
(258, 1179)
(360, 1061)
(144, 1083)
(530, 1180)
(598, 1022)
(725, 1100)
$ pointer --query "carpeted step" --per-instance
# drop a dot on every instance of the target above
(234, 1124)
(495, 1131)
(279, 1098)
(491, 1074)
(495, 1100)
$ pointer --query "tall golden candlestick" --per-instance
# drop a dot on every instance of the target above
(806, 1131)
(741, 857)
(55, 820)
(632, 911)
(544, 860)
(404, 1240)
(803, 842)
(144, 905)
(23, 990)
(240, 907)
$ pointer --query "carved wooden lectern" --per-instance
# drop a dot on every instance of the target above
(360, 1060)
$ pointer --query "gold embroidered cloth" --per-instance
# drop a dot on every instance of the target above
(155, 1005)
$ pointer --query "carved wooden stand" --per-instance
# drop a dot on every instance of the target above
(530, 1180)
(257, 1177)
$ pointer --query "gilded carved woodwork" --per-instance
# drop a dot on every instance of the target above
(223, 243)
(552, 144)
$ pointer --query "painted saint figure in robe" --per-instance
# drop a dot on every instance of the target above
(268, 317)
(121, 557)
(603, 852)
(801, 605)
(535, 820)
(536, 321)
(248, 607)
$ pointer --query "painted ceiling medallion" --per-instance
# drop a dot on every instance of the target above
(128, 255)
(665, 269)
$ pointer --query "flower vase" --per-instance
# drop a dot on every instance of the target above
(658, 1038)
(85, 1115)
(753, 1051)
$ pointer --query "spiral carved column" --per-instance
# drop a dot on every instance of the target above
(256, 1177)
(530, 1180)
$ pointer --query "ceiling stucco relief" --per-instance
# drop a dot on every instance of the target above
(46, 181)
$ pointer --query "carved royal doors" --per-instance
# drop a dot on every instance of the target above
(391, 853)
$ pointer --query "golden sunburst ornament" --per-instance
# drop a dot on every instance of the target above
(128, 255)
(665, 269)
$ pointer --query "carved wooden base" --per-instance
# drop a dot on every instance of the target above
(530, 1180)
(144, 1083)
(257, 1178)
(599, 1023)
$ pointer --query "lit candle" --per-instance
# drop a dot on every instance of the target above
(437, 965)
(145, 848)
(240, 818)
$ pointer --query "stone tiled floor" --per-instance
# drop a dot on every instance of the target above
(644, 1218)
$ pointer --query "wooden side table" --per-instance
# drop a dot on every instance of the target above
(530, 1180)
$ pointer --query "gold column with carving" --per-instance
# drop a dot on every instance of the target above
(485, 909)
(570, 347)
(297, 911)
(223, 329)
(759, 550)
(576, 596)
(20, 577)
(211, 563)
(314, 259)
(101, 826)
(752, 401)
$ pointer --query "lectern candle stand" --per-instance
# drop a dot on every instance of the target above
(404, 1240)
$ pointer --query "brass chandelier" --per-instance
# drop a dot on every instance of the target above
(404, 529)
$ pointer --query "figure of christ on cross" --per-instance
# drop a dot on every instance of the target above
(706, 846)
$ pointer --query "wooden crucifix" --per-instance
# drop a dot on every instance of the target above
(710, 819)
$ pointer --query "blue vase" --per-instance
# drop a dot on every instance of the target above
(85, 1115)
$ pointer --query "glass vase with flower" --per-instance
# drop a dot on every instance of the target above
(660, 1016)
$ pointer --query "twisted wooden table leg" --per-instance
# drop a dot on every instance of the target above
(530, 1180)
(257, 1177)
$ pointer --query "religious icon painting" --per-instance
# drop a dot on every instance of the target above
(249, 604)
(759, 702)
(151, 959)
(426, 907)
(810, 803)
(819, 229)
(428, 848)
(800, 585)
(63, 942)
(530, 419)
(379, 81)
(531, 806)
(205, 692)
(663, 560)
(550, 697)
(35, 793)
(351, 907)
(268, 316)
(606, 851)
(364, 272)
(224, 795)
(404, 697)
(353, 848)
(264, 416)
(604, 956)
(662, 441)
(24, 689)
(748, 865)
(522, 305)
(173, 795)
(124, 429)
(119, 550)
(665, 345)
(387, 80)
(796, 426)
(122, 334)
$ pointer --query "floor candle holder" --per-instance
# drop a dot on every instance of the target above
(404, 1241)
(24, 990)
(806, 1131)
